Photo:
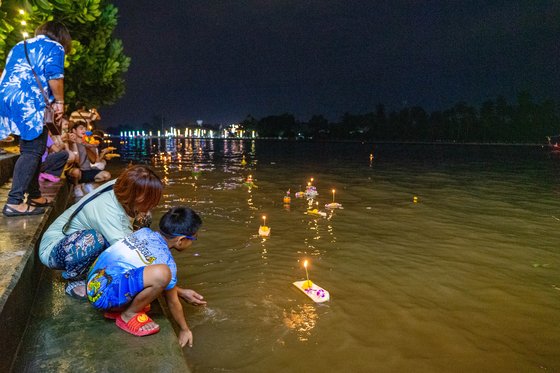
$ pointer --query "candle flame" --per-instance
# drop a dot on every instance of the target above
(305, 263)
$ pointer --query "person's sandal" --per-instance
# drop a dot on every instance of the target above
(39, 204)
(11, 212)
(71, 292)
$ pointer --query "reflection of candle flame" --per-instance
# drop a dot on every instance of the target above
(333, 195)
(264, 219)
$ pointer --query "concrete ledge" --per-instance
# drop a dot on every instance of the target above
(20, 268)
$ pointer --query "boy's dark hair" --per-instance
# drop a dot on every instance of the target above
(180, 220)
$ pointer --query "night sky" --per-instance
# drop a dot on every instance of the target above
(221, 60)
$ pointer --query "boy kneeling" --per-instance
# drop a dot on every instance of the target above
(134, 271)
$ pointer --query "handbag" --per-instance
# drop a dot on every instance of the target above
(49, 116)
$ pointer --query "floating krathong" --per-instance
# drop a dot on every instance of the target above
(287, 199)
(312, 290)
(333, 204)
(264, 231)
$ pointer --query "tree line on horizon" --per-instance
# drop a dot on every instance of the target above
(495, 121)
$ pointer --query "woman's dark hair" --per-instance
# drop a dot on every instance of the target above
(58, 32)
(180, 220)
(138, 189)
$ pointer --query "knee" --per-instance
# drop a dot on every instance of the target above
(95, 238)
(161, 274)
(102, 176)
(76, 173)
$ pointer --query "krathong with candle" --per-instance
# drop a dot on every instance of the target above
(287, 199)
(311, 191)
(249, 182)
(312, 290)
(333, 204)
(264, 231)
(300, 194)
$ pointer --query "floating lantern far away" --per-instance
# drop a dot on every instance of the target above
(249, 182)
(300, 194)
(333, 204)
(311, 191)
(287, 199)
(315, 211)
(415, 199)
(264, 231)
(312, 290)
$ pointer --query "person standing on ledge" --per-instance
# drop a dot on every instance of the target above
(22, 108)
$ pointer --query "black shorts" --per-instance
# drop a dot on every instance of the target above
(88, 176)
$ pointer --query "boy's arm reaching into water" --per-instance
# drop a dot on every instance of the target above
(190, 296)
(185, 334)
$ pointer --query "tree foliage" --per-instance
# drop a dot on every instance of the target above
(496, 121)
(94, 69)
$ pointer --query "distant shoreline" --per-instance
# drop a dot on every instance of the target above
(355, 141)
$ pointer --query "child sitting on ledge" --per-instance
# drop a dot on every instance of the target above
(133, 272)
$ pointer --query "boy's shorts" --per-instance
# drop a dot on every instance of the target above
(88, 176)
(105, 292)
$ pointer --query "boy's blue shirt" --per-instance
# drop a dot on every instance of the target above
(139, 249)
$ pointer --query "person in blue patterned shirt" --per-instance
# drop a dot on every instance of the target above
(134, 271)
(22, 109)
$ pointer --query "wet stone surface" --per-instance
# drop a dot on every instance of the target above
(68, 335)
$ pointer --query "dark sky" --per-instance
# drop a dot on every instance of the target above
(221, 60)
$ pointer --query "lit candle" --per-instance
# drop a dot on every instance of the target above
(333, 195)
(309, 284)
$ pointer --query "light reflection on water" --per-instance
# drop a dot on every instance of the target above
(464, 280)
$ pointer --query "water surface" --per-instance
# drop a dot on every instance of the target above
(464, 280)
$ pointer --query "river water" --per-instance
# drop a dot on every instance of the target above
(466, 279)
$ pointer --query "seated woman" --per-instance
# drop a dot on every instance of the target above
(53, 161)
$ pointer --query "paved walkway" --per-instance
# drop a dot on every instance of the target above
(44, 330)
